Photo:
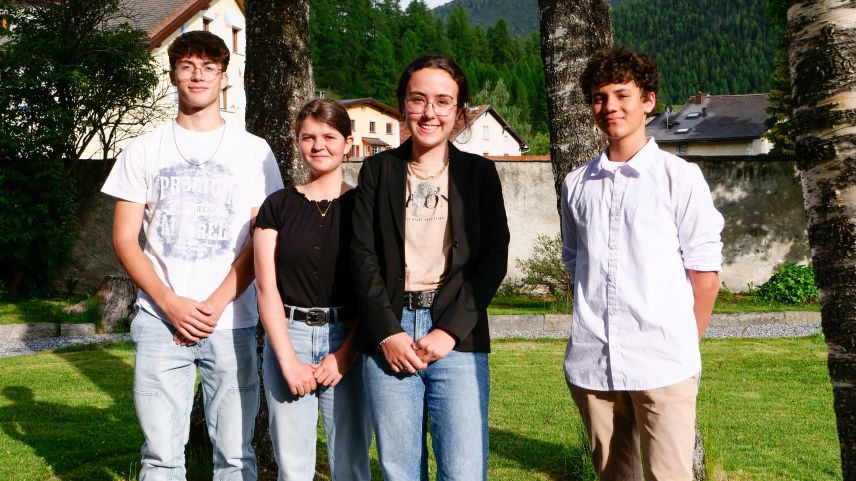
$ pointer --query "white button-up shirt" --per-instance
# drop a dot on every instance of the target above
(631, 231)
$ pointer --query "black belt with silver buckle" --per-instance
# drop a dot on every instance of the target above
(317, 316)
(419, 299)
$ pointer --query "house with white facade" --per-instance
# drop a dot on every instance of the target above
(486, 133)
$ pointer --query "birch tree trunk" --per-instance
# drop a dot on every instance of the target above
(823, 75)
(571, 31)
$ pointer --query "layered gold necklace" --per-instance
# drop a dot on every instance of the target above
(419, 176)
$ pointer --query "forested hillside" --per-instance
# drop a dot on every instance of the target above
(717, 46)
(520, 15)
(360, 46)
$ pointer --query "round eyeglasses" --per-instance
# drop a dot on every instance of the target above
(442, 105)
(209, 71)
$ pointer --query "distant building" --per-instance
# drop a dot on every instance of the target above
(164, 20)
(486, 133)
(374, 126)
(713, 126)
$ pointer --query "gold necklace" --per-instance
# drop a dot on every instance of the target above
(427, 177)
(324, 212)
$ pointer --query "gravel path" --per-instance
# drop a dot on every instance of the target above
(714, 332)
(762, 330)
(46, 343)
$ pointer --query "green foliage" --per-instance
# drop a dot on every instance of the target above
(69, 70)
(359, 47)
(544, 271)
(780, 127)
(791, 284)
(716, 46)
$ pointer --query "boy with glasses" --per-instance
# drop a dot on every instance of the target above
(194, 185)
(641, 241)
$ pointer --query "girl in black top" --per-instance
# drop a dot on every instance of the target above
(306, 305)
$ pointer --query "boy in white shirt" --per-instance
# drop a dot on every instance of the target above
(194, 185)
(641, 241)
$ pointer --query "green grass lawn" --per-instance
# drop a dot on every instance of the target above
(765, 411)
(726, 302)
(22, 311)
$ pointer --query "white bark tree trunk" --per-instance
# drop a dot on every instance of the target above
(822, 59)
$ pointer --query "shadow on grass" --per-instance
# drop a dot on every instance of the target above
(78, 441)
(555, 461)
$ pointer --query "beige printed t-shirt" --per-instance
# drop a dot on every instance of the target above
(427, 235)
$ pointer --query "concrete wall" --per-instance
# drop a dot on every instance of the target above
(760, 200)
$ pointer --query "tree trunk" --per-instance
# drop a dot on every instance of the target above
(116, 298)
(570, 33)
(278, 77)
(823, 74)
(278, 83)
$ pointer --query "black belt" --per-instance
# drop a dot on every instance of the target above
(419, 299)
(318, 316)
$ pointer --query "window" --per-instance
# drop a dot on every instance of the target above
(235, 40)
(376, 149)
(358, 151)
(389, 128)
(682, 148)
(485, 132)
(353, 125)
(355, 150)
(206, 24)
(224, 99)
(371, 127)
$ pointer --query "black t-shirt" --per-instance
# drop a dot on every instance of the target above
(312, 252)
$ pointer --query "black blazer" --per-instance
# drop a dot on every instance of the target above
(479, 248)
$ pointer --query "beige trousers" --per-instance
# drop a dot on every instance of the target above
(660, 422)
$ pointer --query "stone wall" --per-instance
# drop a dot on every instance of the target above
(761, 202)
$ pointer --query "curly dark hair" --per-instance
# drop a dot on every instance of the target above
(202, 44)
(619, 65)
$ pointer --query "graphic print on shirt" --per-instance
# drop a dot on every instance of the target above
(425, 196)
(195, 211)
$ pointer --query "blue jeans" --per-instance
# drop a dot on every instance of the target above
(452, 392)
(164, 379)
(344, 411)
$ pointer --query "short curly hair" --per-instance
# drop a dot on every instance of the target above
(202, 44)
(619, 65)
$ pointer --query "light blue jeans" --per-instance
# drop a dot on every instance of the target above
(294, 419)
(452, 392)
(164, 379)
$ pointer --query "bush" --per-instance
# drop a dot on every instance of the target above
(544, 272)
(791, 284)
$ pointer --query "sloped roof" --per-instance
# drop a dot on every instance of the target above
(370, 102)
(160, 18)
(717, 117)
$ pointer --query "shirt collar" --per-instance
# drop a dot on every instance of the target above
(639, 164)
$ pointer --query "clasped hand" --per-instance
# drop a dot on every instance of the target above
(304, 378)
(404, 355)
(193, 320)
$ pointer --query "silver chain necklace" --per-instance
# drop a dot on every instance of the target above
(194, 161)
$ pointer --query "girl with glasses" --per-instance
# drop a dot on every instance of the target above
(429, 251)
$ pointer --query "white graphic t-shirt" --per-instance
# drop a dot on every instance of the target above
(199, 189)
(427, 234)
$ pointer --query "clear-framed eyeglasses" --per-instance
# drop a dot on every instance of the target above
(416, 104)
(209, 71)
